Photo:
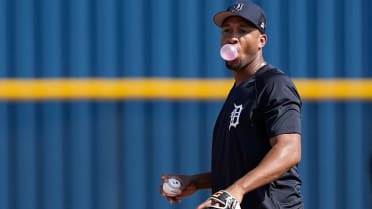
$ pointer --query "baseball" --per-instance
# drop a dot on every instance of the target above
(172, 188)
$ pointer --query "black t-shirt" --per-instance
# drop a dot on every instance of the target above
(264, 106)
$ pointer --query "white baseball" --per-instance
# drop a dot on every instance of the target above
(172, 188)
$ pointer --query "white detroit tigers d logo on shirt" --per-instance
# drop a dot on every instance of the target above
(235, 115)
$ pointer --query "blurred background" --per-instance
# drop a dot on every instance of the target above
(72, 136)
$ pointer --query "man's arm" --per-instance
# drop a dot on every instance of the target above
(284, 154)
(202, 181)
(190, 184)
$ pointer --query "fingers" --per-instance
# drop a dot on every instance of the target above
(164, 178)
(205, 204)
(172, 200)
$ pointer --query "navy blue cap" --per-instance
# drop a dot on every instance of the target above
(247, 10)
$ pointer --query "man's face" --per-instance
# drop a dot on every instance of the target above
(236, 30)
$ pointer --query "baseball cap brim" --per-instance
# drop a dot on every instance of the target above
(220, 17)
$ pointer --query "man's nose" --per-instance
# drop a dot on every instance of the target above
(233, 40)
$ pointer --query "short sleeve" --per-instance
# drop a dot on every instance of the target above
(280, 104)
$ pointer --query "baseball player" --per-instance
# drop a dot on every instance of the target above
(257, 136)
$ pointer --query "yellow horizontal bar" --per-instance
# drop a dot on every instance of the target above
(149, 88)
(158, 88)
(335, 89)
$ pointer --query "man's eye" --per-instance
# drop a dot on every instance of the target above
(226, 30)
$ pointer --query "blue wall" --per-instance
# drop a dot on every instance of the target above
(110, 154)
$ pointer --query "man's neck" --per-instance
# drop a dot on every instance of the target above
(249, 71)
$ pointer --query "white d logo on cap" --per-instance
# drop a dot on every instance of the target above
(238, 7)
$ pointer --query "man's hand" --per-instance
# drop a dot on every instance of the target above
(187, 187)
(220, 200)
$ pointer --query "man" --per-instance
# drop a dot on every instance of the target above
(257, 136)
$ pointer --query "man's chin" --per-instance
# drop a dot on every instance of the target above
(233, 65)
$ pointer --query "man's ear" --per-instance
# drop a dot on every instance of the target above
(262, 41)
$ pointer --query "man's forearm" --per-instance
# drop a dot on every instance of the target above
(283, 155)
(202, 181)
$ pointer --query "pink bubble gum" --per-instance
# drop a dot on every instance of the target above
(229, 52)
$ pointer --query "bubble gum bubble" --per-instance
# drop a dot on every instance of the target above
(229, 52)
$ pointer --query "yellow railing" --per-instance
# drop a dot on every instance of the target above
(163, 88)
